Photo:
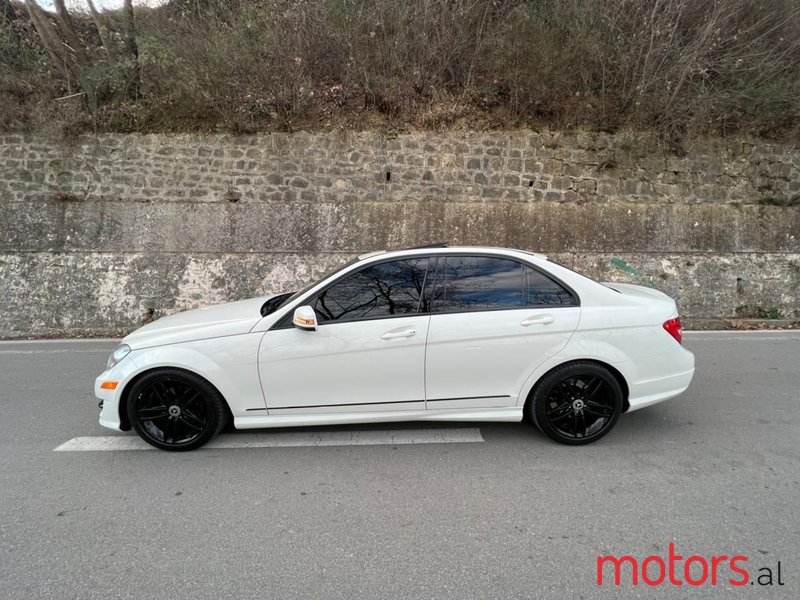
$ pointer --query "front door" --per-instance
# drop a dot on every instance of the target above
(367, 354)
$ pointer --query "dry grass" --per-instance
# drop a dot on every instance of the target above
(680, 67)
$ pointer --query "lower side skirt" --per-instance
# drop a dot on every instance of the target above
(512, 414)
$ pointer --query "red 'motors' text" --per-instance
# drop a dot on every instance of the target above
(674, 569)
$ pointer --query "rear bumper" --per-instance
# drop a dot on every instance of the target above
(657, 378)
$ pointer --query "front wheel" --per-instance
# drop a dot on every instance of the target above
(577, 403)
(173, 409)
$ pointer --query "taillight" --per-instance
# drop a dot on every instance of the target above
(673, 327)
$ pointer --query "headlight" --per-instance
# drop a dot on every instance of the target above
(117, 355)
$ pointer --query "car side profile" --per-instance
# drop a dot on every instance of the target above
(430, 333)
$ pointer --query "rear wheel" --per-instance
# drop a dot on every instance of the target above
(577, 403)
(173, 409)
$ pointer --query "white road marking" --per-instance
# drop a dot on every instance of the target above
(62, 341)
(59, 351)
(287, 439)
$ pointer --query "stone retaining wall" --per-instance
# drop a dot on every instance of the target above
(108, 232)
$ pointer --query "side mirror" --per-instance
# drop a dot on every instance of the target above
(305, 318)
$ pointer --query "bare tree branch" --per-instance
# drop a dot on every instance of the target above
(132, 47)
(97, 23)
(50, 40)
(71, 36)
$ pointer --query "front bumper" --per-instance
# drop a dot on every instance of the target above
(109, 406)
(109, 400)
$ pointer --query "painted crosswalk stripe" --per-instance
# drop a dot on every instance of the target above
(286, 439)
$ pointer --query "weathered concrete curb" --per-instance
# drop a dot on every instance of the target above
(691, 324)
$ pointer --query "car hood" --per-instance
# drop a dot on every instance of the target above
(213, 321)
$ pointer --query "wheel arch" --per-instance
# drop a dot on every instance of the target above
(125, 424)
(609, 367)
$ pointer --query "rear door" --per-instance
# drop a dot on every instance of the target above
(493, 321)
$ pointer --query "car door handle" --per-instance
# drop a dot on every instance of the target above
(398, 334)
(538, 320)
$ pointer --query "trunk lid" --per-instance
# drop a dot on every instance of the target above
(640, 292)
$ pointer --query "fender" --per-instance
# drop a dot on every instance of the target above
(229, 363)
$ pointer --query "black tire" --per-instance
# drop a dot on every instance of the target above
(576, 403)
(174, 409)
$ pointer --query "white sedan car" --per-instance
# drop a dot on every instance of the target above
(429, 333)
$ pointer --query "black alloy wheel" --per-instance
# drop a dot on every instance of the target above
(577, 403)
(173, 409)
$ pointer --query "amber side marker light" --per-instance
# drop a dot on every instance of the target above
(109, 385)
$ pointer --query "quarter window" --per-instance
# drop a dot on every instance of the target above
(382, 290)
(540, 290)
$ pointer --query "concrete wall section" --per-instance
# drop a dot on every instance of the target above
(88, 293)
(114, 226)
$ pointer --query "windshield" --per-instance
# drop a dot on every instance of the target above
(276, 302)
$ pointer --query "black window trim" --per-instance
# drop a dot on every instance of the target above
(285, 322)
(553, 278)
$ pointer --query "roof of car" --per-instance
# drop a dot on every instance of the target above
(441, 248)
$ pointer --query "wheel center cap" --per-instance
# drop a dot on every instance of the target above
(174, 410)
(578, 404)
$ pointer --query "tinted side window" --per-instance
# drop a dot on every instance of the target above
(478, 283)
(382, 290)
(540, 290)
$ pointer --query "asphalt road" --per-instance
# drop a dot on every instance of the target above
(716, 472)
